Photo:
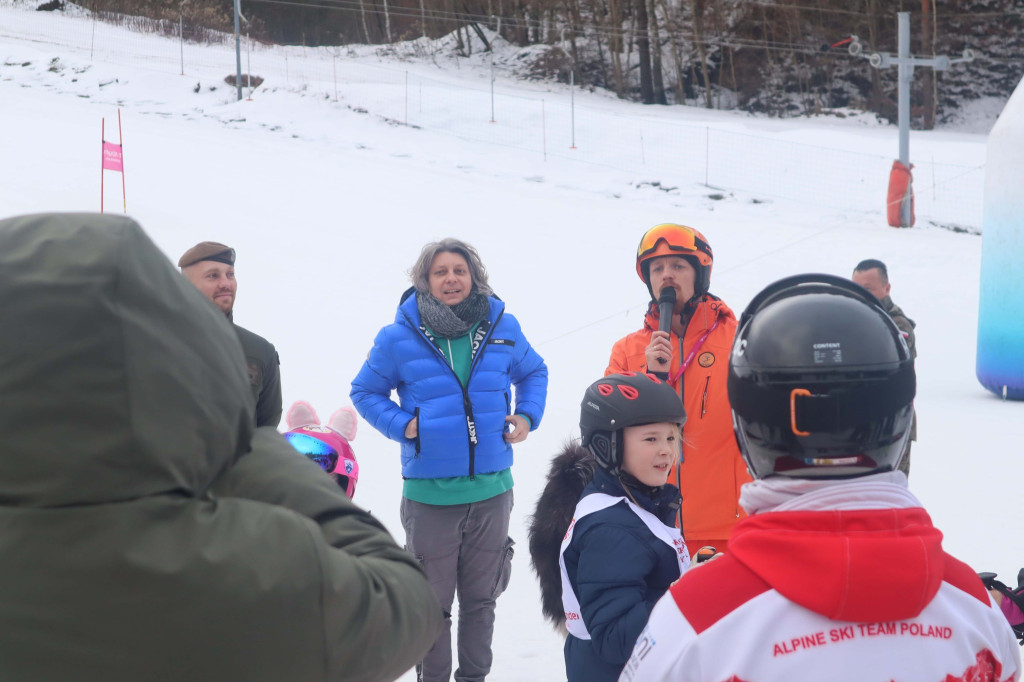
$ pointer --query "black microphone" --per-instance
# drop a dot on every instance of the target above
(666, 308)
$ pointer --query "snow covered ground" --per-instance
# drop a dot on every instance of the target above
(328, 203)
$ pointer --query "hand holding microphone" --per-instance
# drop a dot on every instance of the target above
(666, 308)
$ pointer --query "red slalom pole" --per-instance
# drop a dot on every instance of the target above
(103, 134)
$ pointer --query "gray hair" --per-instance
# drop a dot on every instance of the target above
(420, 272)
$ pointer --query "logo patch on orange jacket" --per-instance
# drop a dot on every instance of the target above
(706, 359)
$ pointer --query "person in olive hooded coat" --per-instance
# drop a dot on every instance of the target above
(148, 530)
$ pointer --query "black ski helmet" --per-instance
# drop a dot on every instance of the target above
(821, 382)
(620, 400)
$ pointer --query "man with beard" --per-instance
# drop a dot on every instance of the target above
(210, 266)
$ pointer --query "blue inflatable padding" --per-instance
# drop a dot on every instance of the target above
(1000, 365)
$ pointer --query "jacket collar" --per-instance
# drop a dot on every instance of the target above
(707, 311)
(662, 501)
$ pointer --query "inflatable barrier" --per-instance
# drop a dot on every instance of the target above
(1000, 365)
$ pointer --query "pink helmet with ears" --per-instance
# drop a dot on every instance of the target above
(328, 446)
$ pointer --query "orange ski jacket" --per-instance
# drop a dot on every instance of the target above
(712, 468)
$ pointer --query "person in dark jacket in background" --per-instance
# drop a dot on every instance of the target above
(211, 267)
(148, 529)
(454, 354)
(874, 276)
(621, 551)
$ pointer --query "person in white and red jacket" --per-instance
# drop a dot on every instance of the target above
(838, 573)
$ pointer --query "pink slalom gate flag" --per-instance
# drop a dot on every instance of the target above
(112, 157)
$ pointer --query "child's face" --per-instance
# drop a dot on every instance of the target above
(650, 451)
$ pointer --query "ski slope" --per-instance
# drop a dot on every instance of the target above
(329, 202)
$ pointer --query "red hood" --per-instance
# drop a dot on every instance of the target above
(855, 566)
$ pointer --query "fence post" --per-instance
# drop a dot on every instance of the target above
(707, 153)
(181, 33)
(544, 130)
(248, 61)
(572, 104)
(492, 84)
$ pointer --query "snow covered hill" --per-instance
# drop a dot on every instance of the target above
(328, 203)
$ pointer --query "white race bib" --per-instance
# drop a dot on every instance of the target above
(595, 503)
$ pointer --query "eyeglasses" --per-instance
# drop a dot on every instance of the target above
(676, 237)
(317, 450)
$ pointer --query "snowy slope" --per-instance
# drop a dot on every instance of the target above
(328, 207)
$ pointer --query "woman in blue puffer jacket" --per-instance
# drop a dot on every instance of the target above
(454, 355)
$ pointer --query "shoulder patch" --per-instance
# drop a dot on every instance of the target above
(706, 594)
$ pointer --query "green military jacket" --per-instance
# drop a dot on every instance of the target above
(148, 530)
(905, 324)
(264, 369)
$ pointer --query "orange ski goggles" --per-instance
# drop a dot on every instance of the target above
(669, 239)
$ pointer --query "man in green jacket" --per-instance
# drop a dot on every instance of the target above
(148, 530)
(874, 276)
(211, 267)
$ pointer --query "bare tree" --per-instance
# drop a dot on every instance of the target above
(616, 45)
(362, 14)
(657, 79)
(702, 48)
(643, 46)
(928, 50)
(673, 28)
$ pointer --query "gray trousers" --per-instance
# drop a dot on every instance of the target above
(463, 548)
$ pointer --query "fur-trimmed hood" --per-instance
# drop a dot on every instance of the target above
(570, 472)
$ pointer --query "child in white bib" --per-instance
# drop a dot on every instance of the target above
(621, 552)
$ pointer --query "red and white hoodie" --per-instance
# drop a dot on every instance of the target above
(828, 580)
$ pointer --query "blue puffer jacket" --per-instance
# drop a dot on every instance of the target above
(460, 429)
(618, 571)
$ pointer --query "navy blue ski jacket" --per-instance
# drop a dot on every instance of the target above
(618, 570)
(460, 428)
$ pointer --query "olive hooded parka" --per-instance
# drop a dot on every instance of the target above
(148, 530)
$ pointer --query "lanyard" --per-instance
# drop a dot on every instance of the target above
(693, 351)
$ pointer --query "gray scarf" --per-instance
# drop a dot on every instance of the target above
(452, 321)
